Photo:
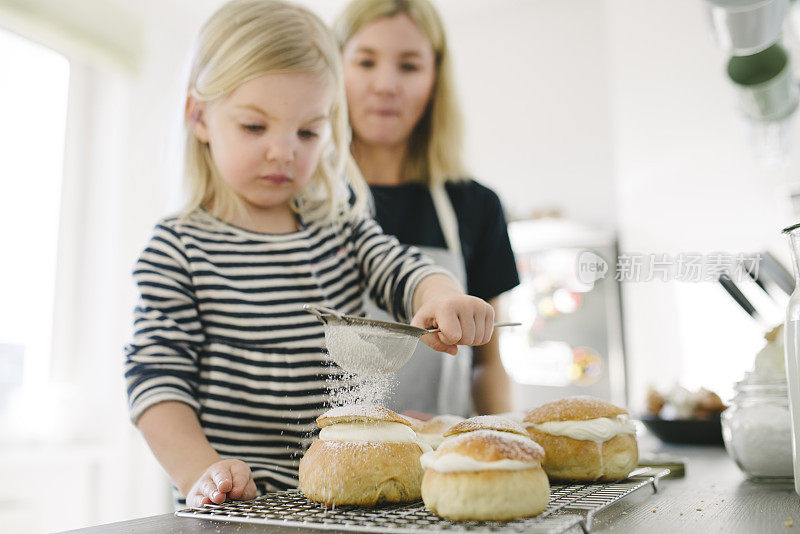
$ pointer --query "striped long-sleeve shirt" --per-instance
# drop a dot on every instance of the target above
(220, 327)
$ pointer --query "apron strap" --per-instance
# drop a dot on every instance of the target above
(447, 218)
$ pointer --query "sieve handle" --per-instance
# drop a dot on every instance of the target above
(321, 312)
(495, 325)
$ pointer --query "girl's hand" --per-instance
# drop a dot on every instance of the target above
(223, 480)
(461, 319)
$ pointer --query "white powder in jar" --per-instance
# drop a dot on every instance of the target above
(759, 438)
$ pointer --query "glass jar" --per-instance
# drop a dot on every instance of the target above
(757, 427)
(792, 342)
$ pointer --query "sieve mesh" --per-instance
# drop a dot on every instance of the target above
(367, 350)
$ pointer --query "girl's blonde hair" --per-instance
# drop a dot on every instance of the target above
(434, 151)
(246, 39)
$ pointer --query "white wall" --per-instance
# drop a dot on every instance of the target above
(686, 181)
(532, 82)
(535, 90)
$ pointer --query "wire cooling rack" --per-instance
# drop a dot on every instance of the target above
(570, 505)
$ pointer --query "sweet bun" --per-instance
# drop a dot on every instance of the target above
(433, 429)
(486, 422)
(577, 408)
(360, 413)
(365, 455)
(585, 439)
(485, 475)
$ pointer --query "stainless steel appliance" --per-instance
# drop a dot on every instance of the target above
(568, 302)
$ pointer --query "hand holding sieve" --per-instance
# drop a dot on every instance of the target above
(368, 346)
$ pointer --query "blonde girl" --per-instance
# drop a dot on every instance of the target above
(407, 144)
(226, 373)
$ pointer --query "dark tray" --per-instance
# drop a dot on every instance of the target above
(688, 431)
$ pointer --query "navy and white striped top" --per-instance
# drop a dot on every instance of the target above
(220, 326)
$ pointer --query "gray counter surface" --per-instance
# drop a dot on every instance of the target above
(714, 496)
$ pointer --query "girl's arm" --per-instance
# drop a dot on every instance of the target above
(173, 433)
(162, 376)
(404, 282)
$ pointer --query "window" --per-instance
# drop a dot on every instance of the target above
(33, 107)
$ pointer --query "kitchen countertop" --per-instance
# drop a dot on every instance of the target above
(714, 496)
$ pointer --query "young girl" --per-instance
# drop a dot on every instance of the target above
(226, 373)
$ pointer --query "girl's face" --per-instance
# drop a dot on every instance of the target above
(267, 135)
(389, 72)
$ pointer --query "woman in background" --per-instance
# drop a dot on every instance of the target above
(407, 144)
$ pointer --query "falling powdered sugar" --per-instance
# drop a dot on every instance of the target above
(347, 389)
(367, 357)
(367, 350)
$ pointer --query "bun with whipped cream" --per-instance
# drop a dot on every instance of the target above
(585, 439)
(433, 429)
(485, 471)
(365, 455)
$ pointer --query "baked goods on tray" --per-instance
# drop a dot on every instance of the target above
(487, 468)
(364, 455)
(433, 429)
(584, 439)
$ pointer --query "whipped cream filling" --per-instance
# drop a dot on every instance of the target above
(379, 431)
(456, 463)
(600, 429)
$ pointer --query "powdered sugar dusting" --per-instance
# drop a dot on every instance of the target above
(367, 356)
(577, 408)
(507, 445)
(363, 412)
(487, 422)
(517, 417)
(350, 389)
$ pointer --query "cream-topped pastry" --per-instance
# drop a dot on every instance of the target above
(584, 439)
(599, 429)
(480, 473)
(458, 463)
(432, 430)
(364, 455)
(374, 431)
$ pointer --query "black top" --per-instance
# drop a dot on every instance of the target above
(407, 211)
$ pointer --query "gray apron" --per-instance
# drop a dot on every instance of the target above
(434, 382)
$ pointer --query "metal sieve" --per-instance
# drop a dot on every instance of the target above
(368, 346)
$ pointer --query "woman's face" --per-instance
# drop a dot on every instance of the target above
(389, 72)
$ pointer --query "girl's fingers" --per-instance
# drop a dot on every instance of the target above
(250, 491)
(488, 328)
(241, 477)
(450, 328)
(209, 489)
(433, 341)
(467, 330)
(196, 500)
(222, 477)
(480, 328)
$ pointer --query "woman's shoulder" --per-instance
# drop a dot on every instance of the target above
(470, 194)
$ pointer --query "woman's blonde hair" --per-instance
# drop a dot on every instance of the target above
(246, 39)
(434, 151)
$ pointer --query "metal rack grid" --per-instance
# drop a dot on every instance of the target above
(570, 505)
